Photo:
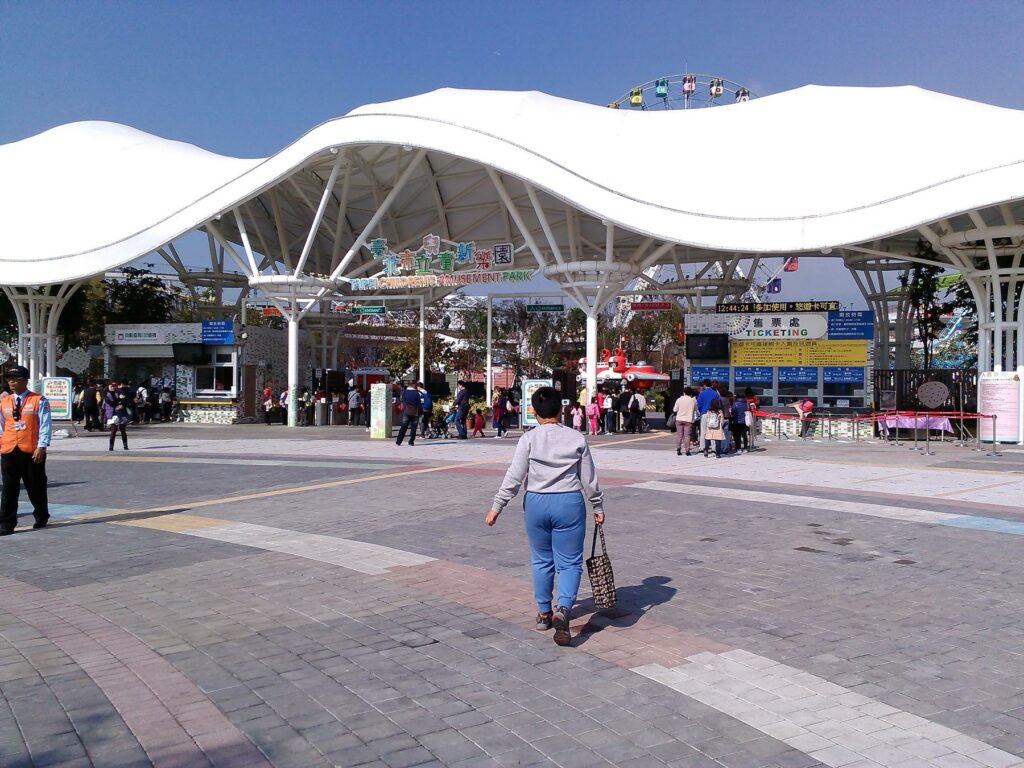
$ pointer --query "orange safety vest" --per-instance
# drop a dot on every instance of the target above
(26, 437)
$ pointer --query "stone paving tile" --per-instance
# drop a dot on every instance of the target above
(319, 664)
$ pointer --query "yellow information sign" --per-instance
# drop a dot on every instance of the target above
(803, 352)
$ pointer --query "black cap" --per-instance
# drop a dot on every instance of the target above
(16, 372)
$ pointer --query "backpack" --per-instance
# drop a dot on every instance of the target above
(714, 419)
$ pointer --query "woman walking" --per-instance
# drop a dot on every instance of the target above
(116, 414)
(685, 405)
(715, 428)
(556, 465)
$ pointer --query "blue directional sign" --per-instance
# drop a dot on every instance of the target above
(752, 374)
(798, 374)
(719, 373)
(842, 375)
(851, 325)
(218, 332)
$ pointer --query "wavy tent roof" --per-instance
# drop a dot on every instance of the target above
(807, 169)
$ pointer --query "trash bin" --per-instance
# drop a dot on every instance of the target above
(320, 414)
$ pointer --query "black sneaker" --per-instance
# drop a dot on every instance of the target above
(560, 621)
(37, 526)
(543, 622)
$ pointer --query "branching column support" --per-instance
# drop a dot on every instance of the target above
(38, 310)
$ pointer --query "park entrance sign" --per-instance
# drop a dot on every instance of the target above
(431, 267)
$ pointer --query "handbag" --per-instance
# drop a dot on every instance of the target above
(599, 570)
(670, 422)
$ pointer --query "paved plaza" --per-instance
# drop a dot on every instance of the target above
(257, 596)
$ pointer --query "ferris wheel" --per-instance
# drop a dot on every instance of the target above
(684, 91)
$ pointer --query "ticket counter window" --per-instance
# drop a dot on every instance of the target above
(850, 395)
(843, 387)
(217, 376)
(763, 390)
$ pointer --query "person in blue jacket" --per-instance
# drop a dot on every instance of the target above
(461, 407)
(411, 407)
(427, 407)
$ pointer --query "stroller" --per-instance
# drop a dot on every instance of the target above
(439, 426)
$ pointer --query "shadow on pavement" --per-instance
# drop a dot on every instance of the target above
(632, 602)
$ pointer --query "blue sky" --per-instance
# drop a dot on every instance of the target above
(245, 78)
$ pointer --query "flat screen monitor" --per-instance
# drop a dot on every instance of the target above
(189, 354)
(707, 346)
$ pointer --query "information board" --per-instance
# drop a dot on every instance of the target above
(529, 387)
(811, 352)
(798, 375)
(843, 374)
(719, 373)
(851, 325)
(57, 391)
(380, 411)
(545, 308)
(218, 332)
(999, 394)
(777, 306)
(752, 374)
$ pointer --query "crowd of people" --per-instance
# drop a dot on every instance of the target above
(711, 414)
(111, 407)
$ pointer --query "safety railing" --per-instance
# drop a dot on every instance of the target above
(886, 421)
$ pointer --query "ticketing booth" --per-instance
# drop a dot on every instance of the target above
(215, 369)
(784, 352)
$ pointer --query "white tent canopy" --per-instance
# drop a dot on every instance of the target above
(594, 198)
(813, 168)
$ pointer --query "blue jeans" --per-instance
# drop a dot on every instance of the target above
(556, 524)
(460, 422)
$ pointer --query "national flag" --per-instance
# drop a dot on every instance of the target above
(792, 264)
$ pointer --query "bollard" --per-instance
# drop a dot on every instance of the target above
(994, 451)
(856, 430)
(977, 435)
(914, 447)
(927, 437)
(830, 425)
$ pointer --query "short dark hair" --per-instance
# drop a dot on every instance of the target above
(547, 402)
(688, 391)
(706, 383)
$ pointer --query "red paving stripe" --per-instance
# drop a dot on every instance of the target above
(628, 641)
(172, 719)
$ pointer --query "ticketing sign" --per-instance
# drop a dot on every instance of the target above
(798, 374)
(842, 374)
(752, 374)
(719, 373)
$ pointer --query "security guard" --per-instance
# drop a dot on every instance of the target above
(25, 429)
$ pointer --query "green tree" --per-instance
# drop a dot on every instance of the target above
(141, 297)
(922, 286)
(398, 359)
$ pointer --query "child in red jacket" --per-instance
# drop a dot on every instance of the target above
(478, 423)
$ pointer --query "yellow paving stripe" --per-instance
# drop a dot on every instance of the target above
(100, 516)
(630, 440)
(180, 523)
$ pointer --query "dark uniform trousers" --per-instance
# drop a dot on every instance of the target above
(17, 467)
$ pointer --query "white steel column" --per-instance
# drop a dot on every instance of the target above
(591, 354)
(423, 340)
(293, 365)
(488, 373)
